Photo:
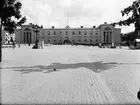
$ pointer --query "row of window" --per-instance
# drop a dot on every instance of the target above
(73, 33)
(75, 40)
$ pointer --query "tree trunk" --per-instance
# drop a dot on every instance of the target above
(1, 42)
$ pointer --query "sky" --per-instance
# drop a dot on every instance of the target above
(87, 13)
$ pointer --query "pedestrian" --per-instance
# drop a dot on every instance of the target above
(29, 44)
(19, 45)
(14, 45)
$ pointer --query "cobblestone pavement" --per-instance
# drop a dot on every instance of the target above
(79, 78)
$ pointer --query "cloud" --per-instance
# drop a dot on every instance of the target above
(36, 11)
(80, 12)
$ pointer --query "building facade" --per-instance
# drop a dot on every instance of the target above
(105, 34)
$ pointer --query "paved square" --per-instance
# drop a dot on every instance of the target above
(84, 75)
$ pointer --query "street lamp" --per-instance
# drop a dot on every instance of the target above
(36, 29)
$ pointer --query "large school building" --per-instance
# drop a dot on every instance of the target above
(105, 34)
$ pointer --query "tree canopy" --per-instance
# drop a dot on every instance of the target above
(128, 36)
(10, 15)
(134, 17)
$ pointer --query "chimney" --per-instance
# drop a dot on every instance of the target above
(81, 26)
(30, 23)
(52, 26)
(94, 26)
(105, 22)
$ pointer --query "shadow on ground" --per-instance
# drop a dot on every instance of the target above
(95, 67)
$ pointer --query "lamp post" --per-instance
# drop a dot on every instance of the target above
(36, 29)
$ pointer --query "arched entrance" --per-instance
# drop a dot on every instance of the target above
(27, 36)
(66, 41)
(107, 35)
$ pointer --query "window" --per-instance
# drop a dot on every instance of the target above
(91, 33)
(79, 40)
(48, 32)
(66, 32)
(90, 40)
(96, 33)
(48, 41)
(85, 32)
(54, 41)
(73, 41)
(73, 33)
(107, 35)
(60, 33)
(85, 40)
(30, 36)
(104, 36)
(79, 33)
(54, 33)
(24, 36)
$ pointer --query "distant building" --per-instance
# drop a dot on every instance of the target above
(105, 34)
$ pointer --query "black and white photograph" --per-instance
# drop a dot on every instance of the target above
(70, 52)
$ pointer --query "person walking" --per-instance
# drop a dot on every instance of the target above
(29, 44)
(14, 45)
(19, 45)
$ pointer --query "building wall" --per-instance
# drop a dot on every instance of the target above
(117, 36)
(3, 37)
(75, 35)
(17, 37)
(102, 30)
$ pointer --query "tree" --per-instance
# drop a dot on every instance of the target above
(134, 18)
(129, 37)
(10, 17)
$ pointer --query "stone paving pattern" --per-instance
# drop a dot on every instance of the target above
(89, 77)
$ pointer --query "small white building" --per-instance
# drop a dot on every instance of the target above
(6, 37)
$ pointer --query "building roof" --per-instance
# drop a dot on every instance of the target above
(71, 28)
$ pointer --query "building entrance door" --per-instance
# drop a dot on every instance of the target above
(66, 41)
